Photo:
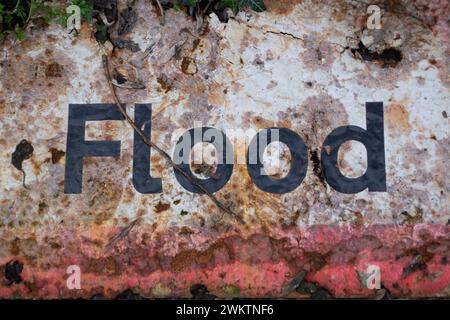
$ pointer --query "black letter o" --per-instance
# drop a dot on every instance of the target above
(299, 161)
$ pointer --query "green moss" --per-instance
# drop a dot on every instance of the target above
(161, 291)
(231, 290)
(237, 5)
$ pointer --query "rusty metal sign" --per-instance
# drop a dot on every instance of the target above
(301, 151)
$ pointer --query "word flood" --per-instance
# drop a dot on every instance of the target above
(374, 178)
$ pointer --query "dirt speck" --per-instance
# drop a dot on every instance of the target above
(387, 58)
(24, 150)
(13, 269)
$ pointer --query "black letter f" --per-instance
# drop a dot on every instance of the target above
(78, 148)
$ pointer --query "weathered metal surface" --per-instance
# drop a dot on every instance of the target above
(291, 66)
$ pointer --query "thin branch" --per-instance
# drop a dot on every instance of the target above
(206, 8)
(15, 8)
(158, 149)
(129, 85)
(161, 10)
(23, 178)
(122, 234)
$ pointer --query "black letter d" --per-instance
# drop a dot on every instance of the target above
(373, 139)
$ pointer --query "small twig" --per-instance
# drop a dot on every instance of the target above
(186, 30)
(29, 15)
(161, 10)
(122, 234)
(206, 8)
(15, 9)
(198, 18)
(23, 178)
(149, 50)
(129, 85)
(105, 20)
(417, 263)
(294, 283)
(158, 149)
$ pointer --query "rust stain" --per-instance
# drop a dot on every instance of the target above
(164, 82)
(56, 155)
(160, 207)
(36, 166)
(281, 6)
(2, 107)
(397, 117)
(189, 258)
(54, 70)
(188, 66)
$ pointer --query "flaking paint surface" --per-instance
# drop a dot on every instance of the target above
(287, 68)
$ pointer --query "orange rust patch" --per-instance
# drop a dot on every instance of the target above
(359, 219)
(42, 207)
(15, 248)
(52, 39)
(218, 96)
(128, 195)
(260, 122)
(54, 70)
(2, 107)
(188, 66)
(188, 258)
(342, 163)
(36, 166)
(141, 212)
(56, 155)
(164, 82)
(397, 117)
(415, 218)
(285, 123)
(160, 207)
(281, 6)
